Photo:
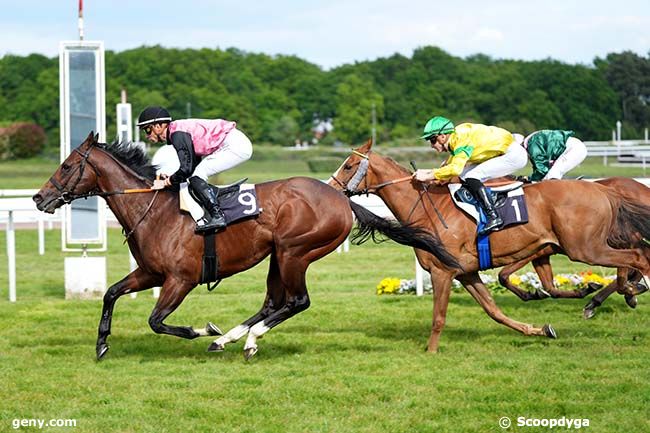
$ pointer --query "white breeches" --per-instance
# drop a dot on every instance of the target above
(236, 149)
(575, 153)
(514, 159)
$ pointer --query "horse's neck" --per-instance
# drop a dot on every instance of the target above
(402, 198)
(127, 208)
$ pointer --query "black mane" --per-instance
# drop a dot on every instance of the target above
(133, 157)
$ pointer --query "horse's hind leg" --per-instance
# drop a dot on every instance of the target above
(475, 287)
(545, 272)
(274, 299)
(172, 294)
(136, 281)
(627, 283)
(292, 283)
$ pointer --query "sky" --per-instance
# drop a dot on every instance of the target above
(336, 32)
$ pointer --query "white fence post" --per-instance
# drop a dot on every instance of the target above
(419, 278)
(11, 254)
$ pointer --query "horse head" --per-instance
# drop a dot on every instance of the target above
(365, 171)
(76, 177)
(354, 174)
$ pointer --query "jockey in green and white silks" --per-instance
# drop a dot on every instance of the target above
(553, 153)
(478, 153)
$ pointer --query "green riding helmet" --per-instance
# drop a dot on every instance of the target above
(437, 125)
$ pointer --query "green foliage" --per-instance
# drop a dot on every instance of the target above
(355, 99)
(275, 99)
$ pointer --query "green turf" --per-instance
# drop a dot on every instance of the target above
(353, 362)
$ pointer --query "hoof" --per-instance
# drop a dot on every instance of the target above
(101, 351)
(540, 293)
(593, 287)
(631, 301)
(249, 353)
(216, 347)
(640, 288)
(588, 313)
(549, 331)
(213, 329)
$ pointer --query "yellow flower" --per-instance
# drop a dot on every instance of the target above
(388, 285)
(561, 280)
(514, 279)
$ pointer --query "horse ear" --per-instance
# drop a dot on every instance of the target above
(366, 147)
(96, 137)
(88, 139)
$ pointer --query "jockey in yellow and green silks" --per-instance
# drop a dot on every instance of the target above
(478, 152)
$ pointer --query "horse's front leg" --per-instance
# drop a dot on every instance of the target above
(173, 293)
(441, 284)
(136, 281)
(473, 284)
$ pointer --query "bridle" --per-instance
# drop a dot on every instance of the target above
(350, 189)
(67, 194)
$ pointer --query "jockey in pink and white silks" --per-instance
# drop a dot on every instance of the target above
(205, 147)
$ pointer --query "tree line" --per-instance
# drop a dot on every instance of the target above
(276, 99)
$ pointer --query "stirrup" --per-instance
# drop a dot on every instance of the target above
(491, 226)
(212, 224)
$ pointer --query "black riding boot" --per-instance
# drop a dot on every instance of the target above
(208, 198)
(494, 221)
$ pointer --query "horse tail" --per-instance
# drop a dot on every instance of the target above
(368, 224)
(632, 226)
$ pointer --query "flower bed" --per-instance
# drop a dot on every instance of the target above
(528, 281)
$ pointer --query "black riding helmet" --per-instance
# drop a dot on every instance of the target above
(154, 114)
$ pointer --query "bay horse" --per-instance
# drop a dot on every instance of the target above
(588, 222)
(302, 220)
(627, 281)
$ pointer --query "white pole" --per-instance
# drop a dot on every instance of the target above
(11, 254)
(618, 130)
(41, 236)
(419, 278)
(156, 292)
(646, 135)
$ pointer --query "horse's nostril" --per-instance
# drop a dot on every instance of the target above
(37, 198)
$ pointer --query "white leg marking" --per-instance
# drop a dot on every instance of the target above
(233, 335)
(255, 332)
(203, 332)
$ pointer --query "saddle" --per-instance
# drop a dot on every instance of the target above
(237, 201)
(509, 202)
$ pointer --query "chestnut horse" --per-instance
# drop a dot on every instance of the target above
(586, 221)
(627, 281)
(302, 220)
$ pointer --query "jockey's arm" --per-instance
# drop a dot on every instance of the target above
(182, 142)
(454, 167)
